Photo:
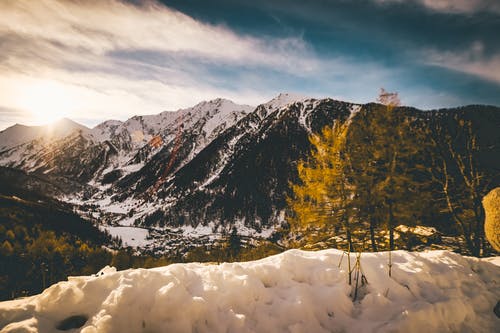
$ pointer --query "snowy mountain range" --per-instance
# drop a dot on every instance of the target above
(158, 179)
(112, 144)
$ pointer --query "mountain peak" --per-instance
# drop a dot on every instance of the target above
(67, 122)
(220, 102)
(19, 133)
(284, 99)
(111, 122)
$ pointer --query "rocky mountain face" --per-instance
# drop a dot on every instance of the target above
(190, 131)
(74, 156)
(87, 155)
(204, 169)
(243, 175)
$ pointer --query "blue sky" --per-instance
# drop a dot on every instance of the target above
(98, 60)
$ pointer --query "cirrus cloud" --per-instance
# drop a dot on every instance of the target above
(471, 61)
(453, 6)
(122, 59)
(103, 26)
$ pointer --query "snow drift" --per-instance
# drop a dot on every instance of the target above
(295, 291)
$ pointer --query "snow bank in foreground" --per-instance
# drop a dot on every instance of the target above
(295, 291)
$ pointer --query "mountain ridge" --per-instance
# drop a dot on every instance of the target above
(18, 134)
(213, 166)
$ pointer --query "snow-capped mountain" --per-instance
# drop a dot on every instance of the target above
(178, 137)
(243, 175)
(204, 169)
(139, 130)
(69, 149)
(19, 134)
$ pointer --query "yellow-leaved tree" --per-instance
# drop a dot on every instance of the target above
(363, 174)
(323, 195)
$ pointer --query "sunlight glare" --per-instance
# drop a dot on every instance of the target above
(46, 101)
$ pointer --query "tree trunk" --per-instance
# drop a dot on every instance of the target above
(391, 236)
(463, 228)
(347, 227)
(349, 240)
(372, 237)
(349, 271)
(390, 226)
(479, 227)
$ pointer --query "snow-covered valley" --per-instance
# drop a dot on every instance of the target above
(296, 291)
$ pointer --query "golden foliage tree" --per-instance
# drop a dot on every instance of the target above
(491, 204)
(362, 171)
(323, 194)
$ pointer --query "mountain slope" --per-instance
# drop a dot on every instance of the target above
(243, 175)
(213, 166)
(19, 134)
(73, 156)
(191, 131)
(114, 146)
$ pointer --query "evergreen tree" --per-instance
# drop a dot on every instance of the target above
(462, 182)
(234, 243)
(366, 170)
(387, 150)
(322, 197)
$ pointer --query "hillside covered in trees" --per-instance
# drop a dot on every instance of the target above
(387, 170)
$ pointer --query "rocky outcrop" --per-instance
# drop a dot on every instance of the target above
(491, 204)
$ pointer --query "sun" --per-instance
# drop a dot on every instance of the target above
(46, 101)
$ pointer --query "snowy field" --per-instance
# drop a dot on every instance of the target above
(131, 236)
(295, 291)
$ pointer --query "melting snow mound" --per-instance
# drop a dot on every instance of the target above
(295, 291)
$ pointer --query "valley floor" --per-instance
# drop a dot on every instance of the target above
(296, 291)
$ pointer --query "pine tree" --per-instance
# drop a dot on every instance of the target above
(326, 190)
(6, 249)
(322, 195)
(234, 243)
(463, 183)
(386, 149)
(361, 140)
(367, 170)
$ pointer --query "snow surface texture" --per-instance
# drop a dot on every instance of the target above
(295, 291)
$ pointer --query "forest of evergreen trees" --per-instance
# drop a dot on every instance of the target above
(386, 167)
(43, 242)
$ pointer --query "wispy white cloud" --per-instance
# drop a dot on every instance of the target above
(71, 46)
(96, 60)
(471, 61)
(103, 26)
(453, 6)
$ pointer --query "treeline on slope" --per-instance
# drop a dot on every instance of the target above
(388, 166)
(42, 241)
